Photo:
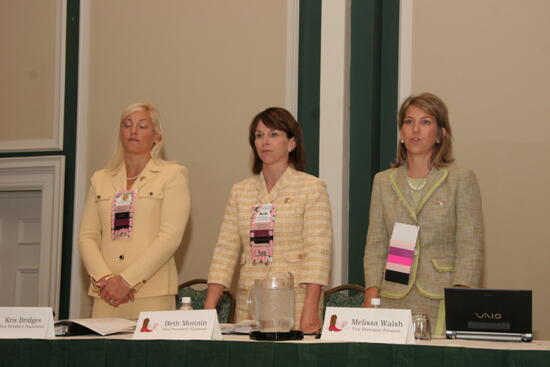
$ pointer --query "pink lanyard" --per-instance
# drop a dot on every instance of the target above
(122, 215)
(262, 225)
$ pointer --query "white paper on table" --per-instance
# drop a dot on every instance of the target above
(105, 326)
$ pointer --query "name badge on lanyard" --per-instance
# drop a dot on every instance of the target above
(401, 253)
(122, 218)
(261, 233)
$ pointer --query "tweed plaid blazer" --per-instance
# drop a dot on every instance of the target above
(450, 242)
(302, 233)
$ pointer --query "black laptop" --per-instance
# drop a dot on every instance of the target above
(488, 314)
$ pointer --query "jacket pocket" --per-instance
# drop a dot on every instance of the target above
(150, 202)
(103, 197)
(104, 203)
(294, 263)
(291, 208)
(294, 256)
(150, 194)
(443, 264)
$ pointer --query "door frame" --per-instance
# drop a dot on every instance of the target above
(47, 175)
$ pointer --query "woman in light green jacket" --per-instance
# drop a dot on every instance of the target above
(424, 188)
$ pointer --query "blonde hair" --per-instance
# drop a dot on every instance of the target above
(443, 151)
(156, 152)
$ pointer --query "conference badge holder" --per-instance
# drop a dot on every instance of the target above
(401, 252)
(261, 233)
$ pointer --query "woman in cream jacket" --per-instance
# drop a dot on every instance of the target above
(302, 234)
(133, 222)
(427, 190)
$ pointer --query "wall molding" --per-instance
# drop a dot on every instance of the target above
(20, 275)
(56, 141)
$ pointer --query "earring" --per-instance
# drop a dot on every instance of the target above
(402, 141)
(437, 141)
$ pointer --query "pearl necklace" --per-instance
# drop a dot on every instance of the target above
(132, 178)
(416, 188)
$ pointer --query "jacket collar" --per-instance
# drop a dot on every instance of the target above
(151, 169)
(398, 179)
(261, 188)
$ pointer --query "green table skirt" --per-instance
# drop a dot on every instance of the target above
(118, 353)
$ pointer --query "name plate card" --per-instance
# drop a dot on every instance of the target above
(182, 325)
(26, 322)
(374, 325)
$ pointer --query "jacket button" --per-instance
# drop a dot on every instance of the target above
(121, 257)
(151, 193)
(99, 196)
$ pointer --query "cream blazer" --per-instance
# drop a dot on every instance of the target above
(161, 212)
(302, 234)
(450, 242)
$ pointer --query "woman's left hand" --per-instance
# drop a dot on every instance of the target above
(310, 321)
(115, 291)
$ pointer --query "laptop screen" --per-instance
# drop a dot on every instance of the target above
(488, 310)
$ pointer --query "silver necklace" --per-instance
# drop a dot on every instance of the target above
(132, 178)
(416, 188)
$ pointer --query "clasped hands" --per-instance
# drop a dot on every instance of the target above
(115, 290)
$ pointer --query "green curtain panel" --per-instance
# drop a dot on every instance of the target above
(373, 111)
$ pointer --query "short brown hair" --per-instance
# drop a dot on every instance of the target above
(443, 151)
(278, 118)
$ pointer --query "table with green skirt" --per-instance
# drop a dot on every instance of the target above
(121, 351)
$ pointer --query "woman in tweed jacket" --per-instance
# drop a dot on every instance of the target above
(425, 189)
(302, 234)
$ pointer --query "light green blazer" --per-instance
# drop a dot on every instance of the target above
(450, 241)
(161, 212)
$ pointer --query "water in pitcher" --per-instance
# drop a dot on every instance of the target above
(274, 309)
